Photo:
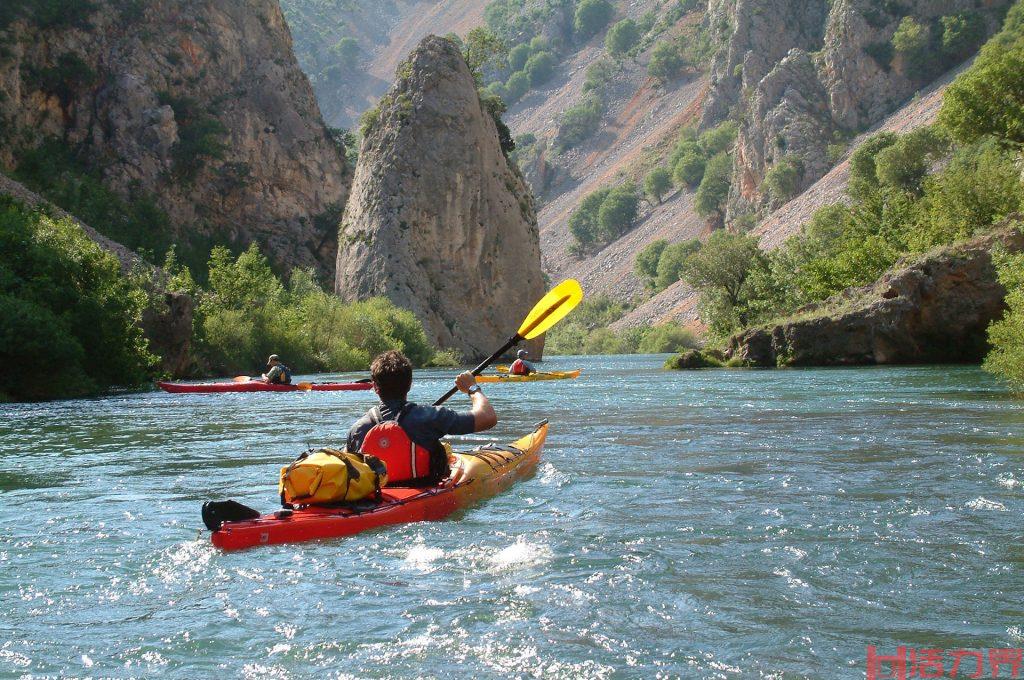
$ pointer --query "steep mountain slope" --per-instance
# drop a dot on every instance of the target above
(350, 48)
(678, 302)
(197, 108)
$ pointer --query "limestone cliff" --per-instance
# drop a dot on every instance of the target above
(935, 309)
(801, 75)
(199, 105)
(438, 219)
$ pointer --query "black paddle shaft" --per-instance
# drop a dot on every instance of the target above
(512, 342)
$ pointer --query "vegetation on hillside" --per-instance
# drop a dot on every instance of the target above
(908, 193)
(70, 319)
(586, 331)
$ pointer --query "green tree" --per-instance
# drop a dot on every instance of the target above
(622, 37)
(484, 52)
(782, 181)
(618, 212)
(346, 51)
(579, 122)
(720, 270)
(66, 308)
(1006, 336)
(591, 17)
(657, 183)
(714, 187)
(518, 84)
(863, 171)
(665, 62)
(646, 263)
(912, 42)
(583, 223)
(989, 98)
(599, 74)
(518, 55)
(540, 67)
(904, 163)
(672, 263)
(689, 169)
(720, 138)
(962, 34)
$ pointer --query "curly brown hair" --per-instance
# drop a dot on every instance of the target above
(392, 374)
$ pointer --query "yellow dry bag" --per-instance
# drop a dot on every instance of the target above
(328, 476)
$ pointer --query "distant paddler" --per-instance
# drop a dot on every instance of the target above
(521, 366)
(278, 373)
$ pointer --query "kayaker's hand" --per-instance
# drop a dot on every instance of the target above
(464, 381)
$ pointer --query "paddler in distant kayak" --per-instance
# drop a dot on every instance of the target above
(521, 366)
(278, 373)
(407, 436)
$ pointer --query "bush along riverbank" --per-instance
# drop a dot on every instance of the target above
(914, 268)
(73, 318)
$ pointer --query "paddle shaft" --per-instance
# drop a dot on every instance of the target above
(512, 342)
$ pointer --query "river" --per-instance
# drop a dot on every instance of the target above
(710, 524)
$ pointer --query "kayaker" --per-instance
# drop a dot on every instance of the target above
(279, 374)
(521, 366)
(391, 373)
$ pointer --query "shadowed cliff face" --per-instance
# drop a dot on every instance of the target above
(197, 104)
(438, 221)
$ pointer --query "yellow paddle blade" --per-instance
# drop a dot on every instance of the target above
(552, 308)
(241, 378)
(307, 386)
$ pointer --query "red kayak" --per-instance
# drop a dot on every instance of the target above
(257, 386)
(477, 474)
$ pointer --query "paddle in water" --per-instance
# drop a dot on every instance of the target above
(551, 309)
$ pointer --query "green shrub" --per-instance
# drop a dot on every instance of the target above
(665, 63)
(346, 51)
(904, 163)
(539, 68)
(622, 37)
(646, 263)
(592, 16)
(962, 34)
(599, 74)
(714, 187)
(200, 136)
(912, 42)
(720, 138)
(247, 313)
(672, 263)
(988, 99)
(583, 223)
(688, 167)
(782, 181)
(517, 85)
(863, 172)
(618, 212)
(518, 55)
(657, 183)
(1006, 336)
(668, 337)
(66, 308)
(580, 122)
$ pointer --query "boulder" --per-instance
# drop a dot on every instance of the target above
(439, 221)
(934, 309)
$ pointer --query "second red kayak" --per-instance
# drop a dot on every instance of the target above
(257, 386)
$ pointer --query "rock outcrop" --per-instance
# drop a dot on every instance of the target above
(439, 221)
(932, 310)
(803, 74)
(199, 105)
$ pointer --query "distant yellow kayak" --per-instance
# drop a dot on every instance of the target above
(533, 377)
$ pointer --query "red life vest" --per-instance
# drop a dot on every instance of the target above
(406, 461)
(518, 367)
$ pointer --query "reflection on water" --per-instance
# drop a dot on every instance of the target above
(708, 524)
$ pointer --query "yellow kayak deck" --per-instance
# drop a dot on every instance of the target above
(533, 377)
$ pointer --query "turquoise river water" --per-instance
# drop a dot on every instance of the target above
(710, 524)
